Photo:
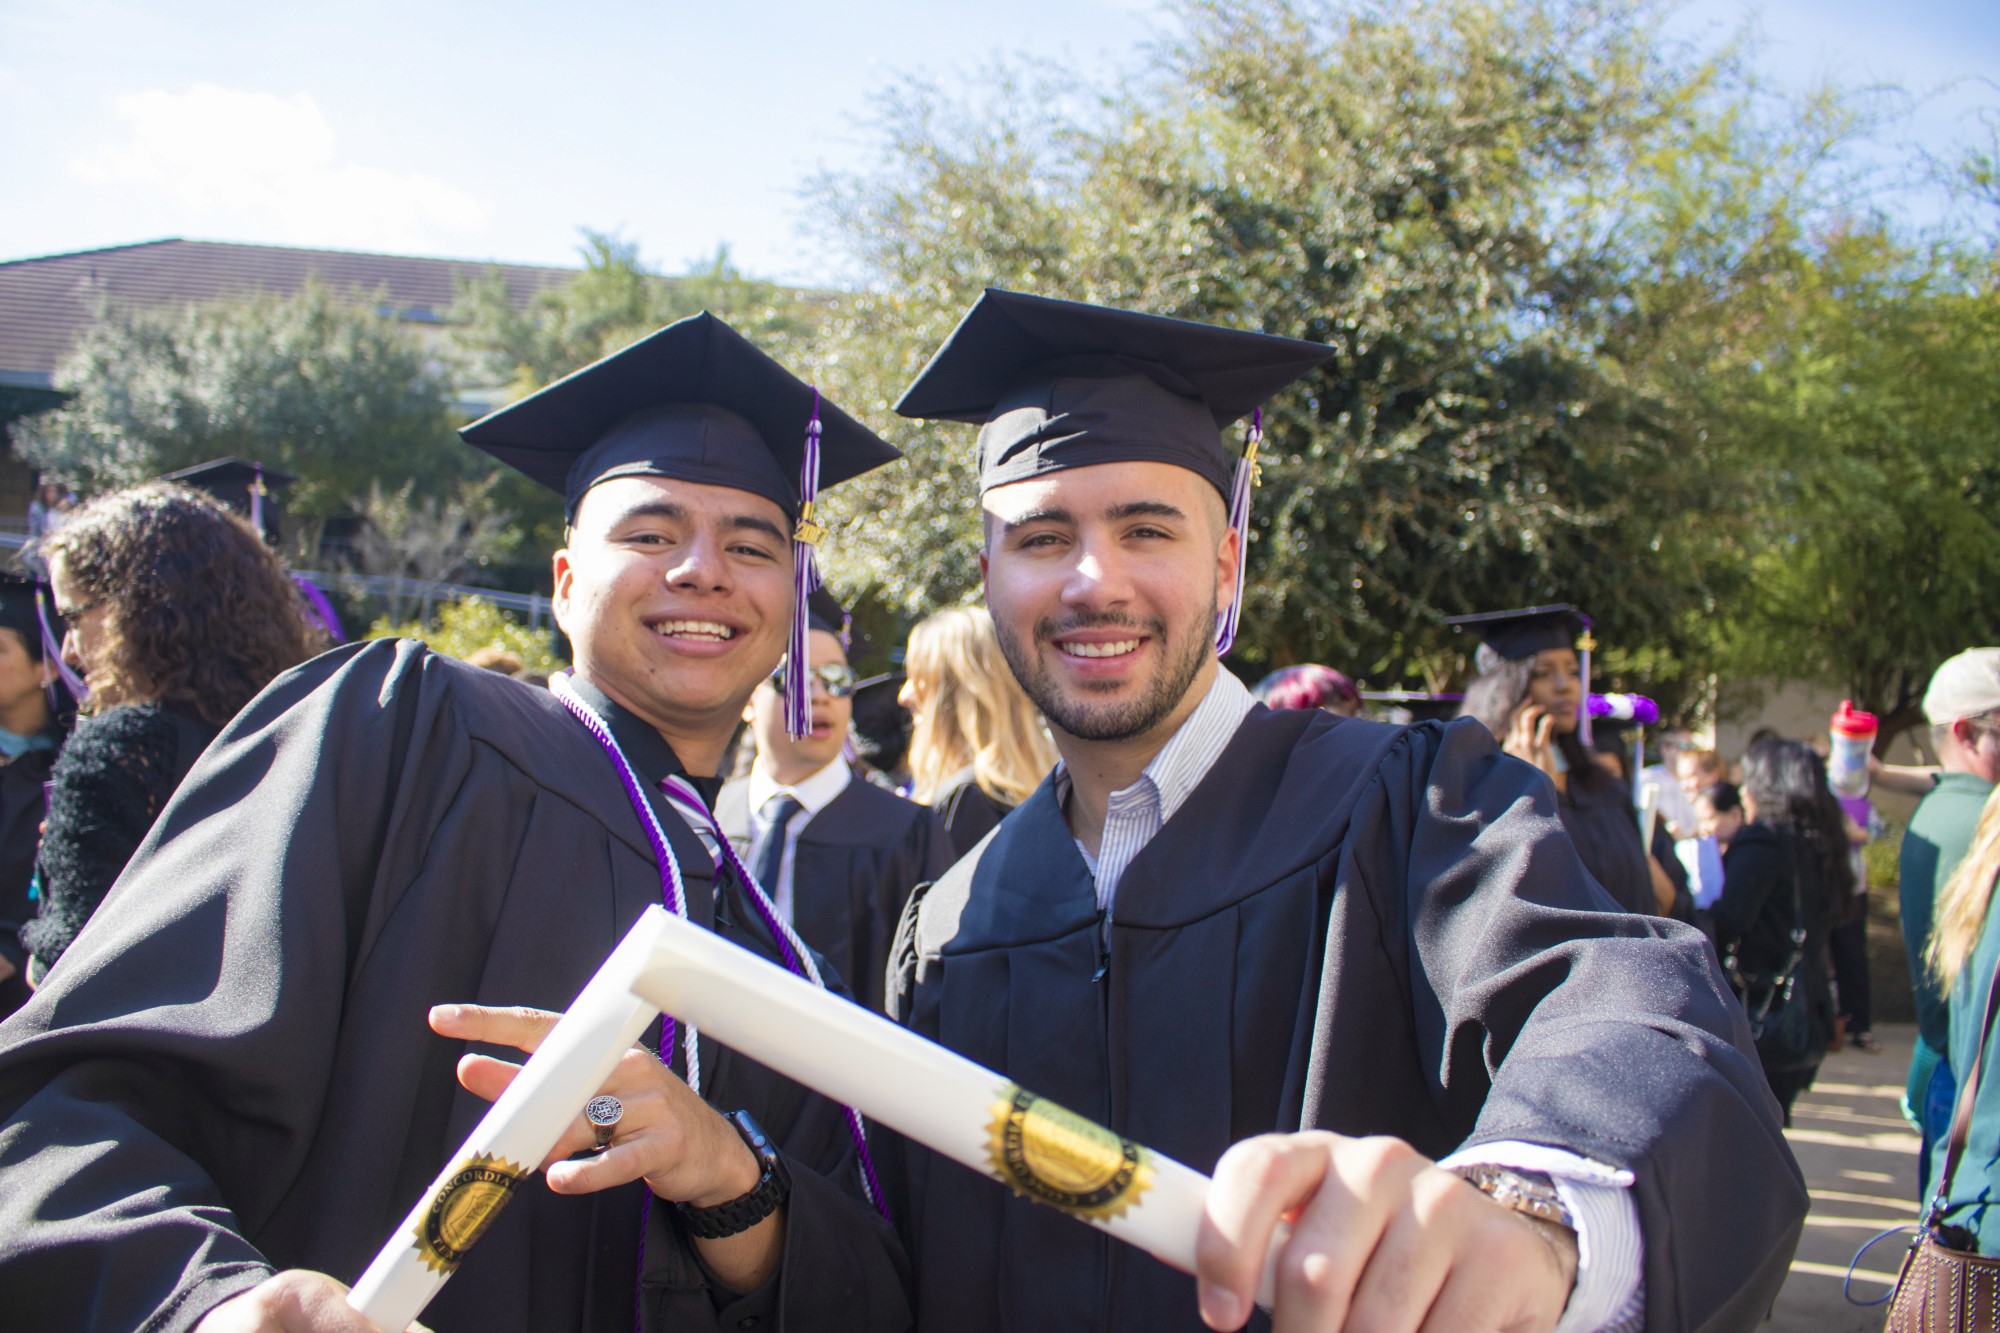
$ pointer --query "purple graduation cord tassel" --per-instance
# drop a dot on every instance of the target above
(52, 652)
(806, 536)
(1247, 470)
(798, 961)
(1583, 646)
(321, 607)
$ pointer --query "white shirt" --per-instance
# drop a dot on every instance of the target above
(1609, 1295)
(814, 794)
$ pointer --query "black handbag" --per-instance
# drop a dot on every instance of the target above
(1779, 1009)
(1946, 1286)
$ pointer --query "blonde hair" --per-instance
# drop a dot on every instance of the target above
(970, 711)
(1962, 902)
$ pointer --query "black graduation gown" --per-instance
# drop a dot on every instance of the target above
(21, 811)
(968, 812)
(852, 870)
(1601, 823)
(1348, 926)
(230, 1069)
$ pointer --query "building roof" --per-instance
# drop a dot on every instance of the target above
(46, 303)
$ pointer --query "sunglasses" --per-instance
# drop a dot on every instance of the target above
(839, 681)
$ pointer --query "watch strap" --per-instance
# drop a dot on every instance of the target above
(773, 1187)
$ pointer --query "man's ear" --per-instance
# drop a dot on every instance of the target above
(561, 572)
(1228, 555)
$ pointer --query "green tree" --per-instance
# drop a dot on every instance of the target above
(1460, 198)
(314, 384)
(462, 627)
(613, 301)
(1875, 543)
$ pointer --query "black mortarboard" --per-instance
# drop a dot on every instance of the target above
(1512, 635)
(19, 613)
(1517, 634)
(1059, 384)
(243, 485)
(28, 608)
(695, 402)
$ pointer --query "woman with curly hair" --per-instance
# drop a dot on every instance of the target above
(178, 614)
(978, 748)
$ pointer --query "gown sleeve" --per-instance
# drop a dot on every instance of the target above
(160, 1090)
(1549, 1018)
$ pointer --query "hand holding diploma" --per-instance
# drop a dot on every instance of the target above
(666, 1135)
(1381, 1237)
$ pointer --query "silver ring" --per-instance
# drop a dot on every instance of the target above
(603, 1113)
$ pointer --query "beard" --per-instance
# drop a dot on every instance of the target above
(1081, 716)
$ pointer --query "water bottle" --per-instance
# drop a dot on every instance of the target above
(1852, 733)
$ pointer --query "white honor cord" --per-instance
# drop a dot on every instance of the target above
(671, 871)
(684, 792)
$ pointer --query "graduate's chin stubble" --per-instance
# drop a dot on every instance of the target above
(1105, 722)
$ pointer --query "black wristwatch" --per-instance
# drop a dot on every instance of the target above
(768, 1195)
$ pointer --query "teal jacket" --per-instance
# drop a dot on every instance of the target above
(1940, 831)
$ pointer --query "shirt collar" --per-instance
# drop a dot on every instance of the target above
(1173, 774)
(815, 793)
(645, 749)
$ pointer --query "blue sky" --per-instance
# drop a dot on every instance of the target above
(494, 131)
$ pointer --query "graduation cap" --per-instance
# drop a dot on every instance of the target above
(1512, 635)
(1060, 384)
(693, 402)
(28, 608)
(245, 486)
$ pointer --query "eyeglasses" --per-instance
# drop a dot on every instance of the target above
(838, 680)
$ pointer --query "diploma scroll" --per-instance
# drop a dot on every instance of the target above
(833, 1046)
(516, 1133)
(930, 1094)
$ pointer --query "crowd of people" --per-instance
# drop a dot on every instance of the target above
(1483, 1027)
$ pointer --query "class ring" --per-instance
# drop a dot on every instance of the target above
(603, 1113)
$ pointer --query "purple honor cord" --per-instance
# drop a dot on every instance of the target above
(791, 950)
(797, 959)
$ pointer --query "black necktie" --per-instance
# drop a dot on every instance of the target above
(779, 813)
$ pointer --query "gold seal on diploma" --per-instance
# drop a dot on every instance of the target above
(462, 1208)
(1055, 1155)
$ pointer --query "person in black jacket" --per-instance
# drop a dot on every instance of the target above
(35, 715)
(1786, 867)
(177, 615)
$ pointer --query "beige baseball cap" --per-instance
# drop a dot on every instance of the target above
(1965, 686)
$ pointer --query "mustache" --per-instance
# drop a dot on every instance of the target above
(1049, 628)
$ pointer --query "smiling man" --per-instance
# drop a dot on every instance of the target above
(1356, 971)
(373, 890)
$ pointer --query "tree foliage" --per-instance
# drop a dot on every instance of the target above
(314, 384)
(1457, 197)
(1875, 547)
(463, 626)
(616, 299)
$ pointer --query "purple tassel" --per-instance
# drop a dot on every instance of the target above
(52, 652)
(1248, 472)
(320, 607)
(1584, 645)
(806, 537)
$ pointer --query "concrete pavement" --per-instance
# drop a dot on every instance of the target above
(1860, 1161)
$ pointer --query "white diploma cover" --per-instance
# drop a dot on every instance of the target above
(831, 1045)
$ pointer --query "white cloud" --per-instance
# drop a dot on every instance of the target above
(259, 163)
